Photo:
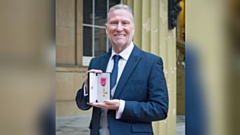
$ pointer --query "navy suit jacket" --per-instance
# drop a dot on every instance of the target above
(142, 86)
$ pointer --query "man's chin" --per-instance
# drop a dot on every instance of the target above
(119, 44)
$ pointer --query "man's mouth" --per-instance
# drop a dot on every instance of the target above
(119, 34)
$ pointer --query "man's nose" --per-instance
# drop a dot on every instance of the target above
(119, 26)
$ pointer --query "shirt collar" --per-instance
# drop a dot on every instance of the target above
(125, 53)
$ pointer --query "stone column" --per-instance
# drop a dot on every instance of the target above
(152, 35)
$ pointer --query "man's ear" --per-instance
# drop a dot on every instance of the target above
(106, 28)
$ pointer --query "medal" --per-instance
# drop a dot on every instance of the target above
(103, 83)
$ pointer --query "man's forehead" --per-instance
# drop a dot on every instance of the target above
(120, 9)
(120, 13)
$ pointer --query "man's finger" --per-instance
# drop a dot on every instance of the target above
(107, 101)
(111, 102)
(95, 71)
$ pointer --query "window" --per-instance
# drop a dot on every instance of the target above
(95, 40)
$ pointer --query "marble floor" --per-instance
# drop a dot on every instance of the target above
(78, 125)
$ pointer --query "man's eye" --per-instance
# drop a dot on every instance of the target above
(113, 23)
(125, 23)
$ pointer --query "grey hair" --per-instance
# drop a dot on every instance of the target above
(121, 6)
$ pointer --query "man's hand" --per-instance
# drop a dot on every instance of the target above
(86, 77)
(107, 104)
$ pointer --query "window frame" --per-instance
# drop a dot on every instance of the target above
(86, 59)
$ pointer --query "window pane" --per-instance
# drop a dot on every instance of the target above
(100, 41)
(113, 2)
(100, 12)
(87, 41)
(87, 10)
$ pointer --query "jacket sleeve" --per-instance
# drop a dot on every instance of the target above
(156, 105)
(82, 100)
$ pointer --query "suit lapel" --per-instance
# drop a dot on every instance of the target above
(104, 61)
(129, 67)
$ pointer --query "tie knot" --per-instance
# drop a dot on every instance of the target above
(116, 58)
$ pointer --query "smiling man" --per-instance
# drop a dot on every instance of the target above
(138, 85)
(120, 29)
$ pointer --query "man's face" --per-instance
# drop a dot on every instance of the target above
(120, 28)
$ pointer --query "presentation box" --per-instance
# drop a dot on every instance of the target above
(99, 87)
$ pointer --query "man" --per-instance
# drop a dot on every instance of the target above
(139, 95)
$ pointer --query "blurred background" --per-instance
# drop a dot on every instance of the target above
(27, 67)
(212, 50)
